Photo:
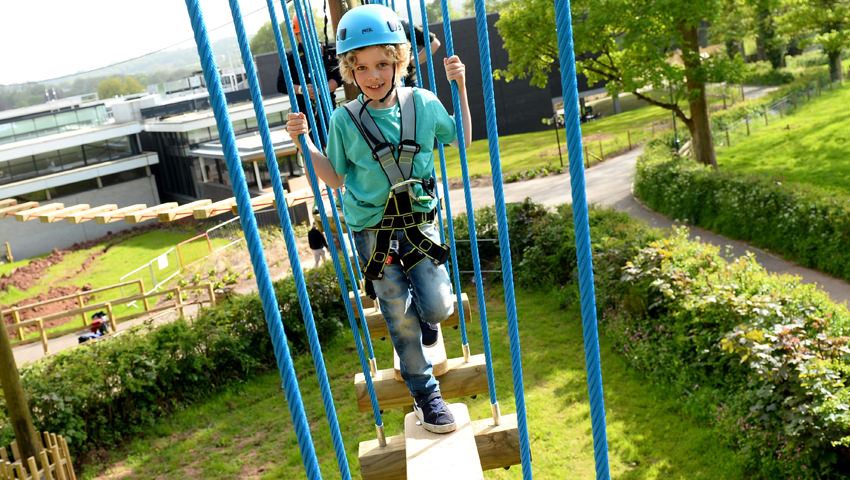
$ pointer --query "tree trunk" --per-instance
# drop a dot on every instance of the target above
(835, 73)
(699, 126)
(28, 440)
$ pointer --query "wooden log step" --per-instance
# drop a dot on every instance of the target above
(448, 456)
(498, 447)
(461, 379)
(435, 353)
(378, 327)
(364, 300)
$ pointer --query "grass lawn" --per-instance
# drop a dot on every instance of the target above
(107, 269)
(525, 151)
(245, 432)
(808, 148)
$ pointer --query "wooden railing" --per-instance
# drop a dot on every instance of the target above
(54, 462)
(177, 304)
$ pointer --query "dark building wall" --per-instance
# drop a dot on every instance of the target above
(267, 66)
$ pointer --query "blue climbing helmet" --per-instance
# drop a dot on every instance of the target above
(368, 25)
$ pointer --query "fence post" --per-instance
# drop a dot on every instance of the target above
(586, 158)
(179, 301)
(43, 335)
(142, 292)
(601, 155)
(765, 116)
(112, 321)
(629, 135)
(743, 96)
(9, 257)
(153, 275)
(179, 256)
(728, 144)
(747, 122)
(81, 304)
(209, 242)
(211, 292)
(17, 316)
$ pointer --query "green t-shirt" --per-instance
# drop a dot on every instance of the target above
(366, 185)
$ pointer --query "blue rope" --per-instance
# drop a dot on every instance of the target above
(504, 236)
(467, 194)
(449, 219)
(289, 84)
(255, 249)
(312, 61)
(289, 237)
(564, 28)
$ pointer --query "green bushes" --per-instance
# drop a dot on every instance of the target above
(763, 73)
(762, 356)
(806, 228)
(100, 393)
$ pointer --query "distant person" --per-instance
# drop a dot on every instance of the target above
(434, 43)
(329, 60)
(318, 244)
(98, 328)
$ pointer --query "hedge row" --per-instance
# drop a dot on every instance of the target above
(99, 394)
(761, 357)
(806, 228)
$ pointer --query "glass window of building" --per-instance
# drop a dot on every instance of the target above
(120, 147)
(122, 177)
(47, 163)
(24, 129)
(66, 121)
(71, 158)
(74, 188)
(45, 124)
(96, 152)
(199, 136)
(22, 168)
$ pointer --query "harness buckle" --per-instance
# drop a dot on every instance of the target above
(408, 146)
(382, 150)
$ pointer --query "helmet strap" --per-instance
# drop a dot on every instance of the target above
(392, 86)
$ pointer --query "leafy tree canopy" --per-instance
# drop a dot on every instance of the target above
(824, 22)
(118, 85)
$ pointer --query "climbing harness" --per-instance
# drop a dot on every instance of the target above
(397, 163)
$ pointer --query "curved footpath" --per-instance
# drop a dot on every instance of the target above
(609, 184)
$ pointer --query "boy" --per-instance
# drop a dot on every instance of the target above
(385, 163)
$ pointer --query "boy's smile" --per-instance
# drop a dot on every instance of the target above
(374, 74)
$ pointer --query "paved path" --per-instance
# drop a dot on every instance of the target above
(609, 184)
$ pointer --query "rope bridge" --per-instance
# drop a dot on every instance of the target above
(499, 441)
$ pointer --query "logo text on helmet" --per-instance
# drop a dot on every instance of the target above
(366, 30)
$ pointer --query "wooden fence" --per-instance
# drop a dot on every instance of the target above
(175, 293)
(53, 462)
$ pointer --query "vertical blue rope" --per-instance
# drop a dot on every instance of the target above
(289, 84)
(291, 246)
(255, 249)
(470, 211)
(563, 19)
(504, 236)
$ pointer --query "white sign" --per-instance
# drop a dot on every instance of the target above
(162, 261)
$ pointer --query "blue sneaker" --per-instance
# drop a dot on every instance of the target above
(434, 414)
(429, 334)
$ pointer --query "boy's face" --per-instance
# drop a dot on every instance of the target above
(373, 70)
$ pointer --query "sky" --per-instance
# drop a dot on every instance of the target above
(40, 40)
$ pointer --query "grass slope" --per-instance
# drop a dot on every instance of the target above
(808, 148)
(245, 432)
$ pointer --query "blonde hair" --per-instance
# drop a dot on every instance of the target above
(398, 53)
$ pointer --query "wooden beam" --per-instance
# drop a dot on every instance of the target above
(461, 379)
(117, 215)
(7, 202)
(182, 211)
(62, 213)
(378, 326)
(11, 209)
(447, 456)
(257, 203)
(148, 213)
(26, 215)
(89, 214)
(214, 209)
(364, 300)
(498, 447)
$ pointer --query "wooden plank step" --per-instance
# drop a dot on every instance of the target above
(8, 202)
(183, 211)
(214, 209)
(435, 353)
(118, 215)
(12, 209)
(149, 213)
(461, 379)
(260, 202)
(89, 214)
(498, 447)
(26, 215)
(447, 456)
(378, 327)
(364, 300)
(62, 213)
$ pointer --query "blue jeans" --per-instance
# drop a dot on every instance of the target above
(423, 293)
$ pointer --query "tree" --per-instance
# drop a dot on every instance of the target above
(630, 45)
(117, 85)
(825, 22)
(263, 40)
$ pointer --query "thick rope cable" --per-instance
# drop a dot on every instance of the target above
(290, 88)
(467, 195)
(504, 236)
(563, 19)
(291, 245)
(255, 249)
(429, 59)
(312, 62)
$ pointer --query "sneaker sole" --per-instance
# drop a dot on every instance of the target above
(448, 428)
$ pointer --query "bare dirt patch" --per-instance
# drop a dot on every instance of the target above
(50, 308)
(25, 277)
(597, 137)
